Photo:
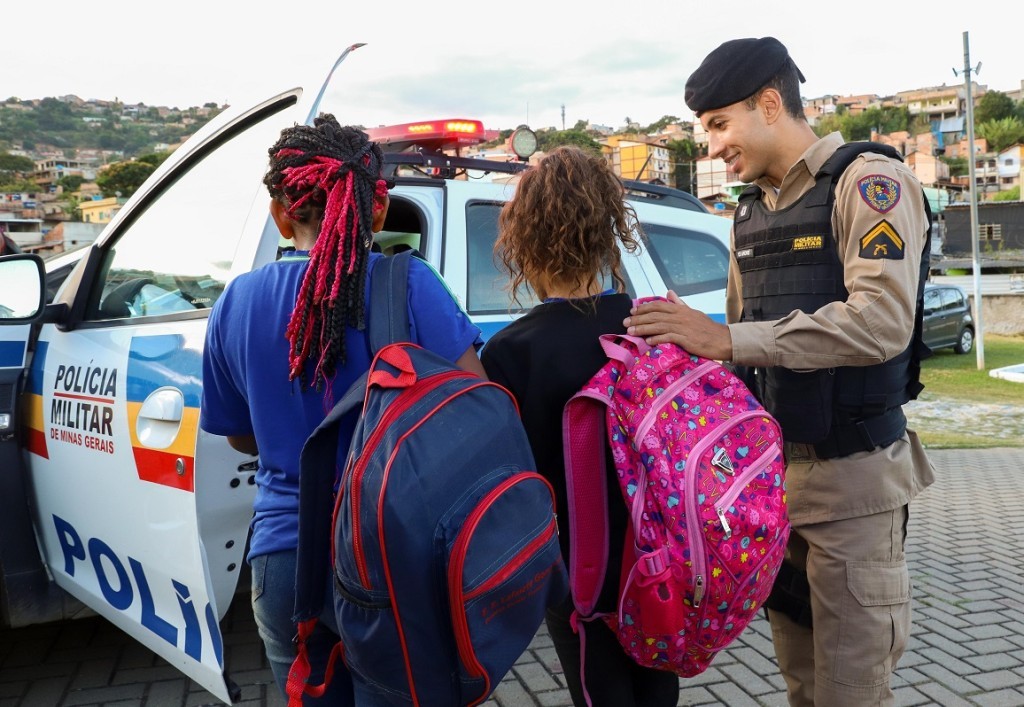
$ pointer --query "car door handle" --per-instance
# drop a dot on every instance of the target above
(160, 418)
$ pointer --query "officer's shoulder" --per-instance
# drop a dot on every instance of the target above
(870, 163)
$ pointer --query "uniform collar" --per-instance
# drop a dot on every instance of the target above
(802, 173)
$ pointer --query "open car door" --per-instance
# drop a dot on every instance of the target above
(138, 513)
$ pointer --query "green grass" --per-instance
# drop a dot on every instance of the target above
(948, 375)
(956, 383)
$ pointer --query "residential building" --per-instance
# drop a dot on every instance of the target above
(101, 210)
(1018, 93)
(817, 108)
(69, 235)
(1009, 166)
(27, 233)
(936, 103)
(928, 168)
(986, 173)
(700, 136)
(636, 157)
(712, 176)
(855, 105)
(49, 171)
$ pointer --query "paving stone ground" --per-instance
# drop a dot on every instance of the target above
(965, 547)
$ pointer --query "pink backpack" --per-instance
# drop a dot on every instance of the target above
(700, 466)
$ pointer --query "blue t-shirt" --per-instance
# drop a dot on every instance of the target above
(245, 377)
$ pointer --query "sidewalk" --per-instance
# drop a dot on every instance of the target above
(966, 552)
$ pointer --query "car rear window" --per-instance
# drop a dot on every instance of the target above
(690, 262)
(487, 291)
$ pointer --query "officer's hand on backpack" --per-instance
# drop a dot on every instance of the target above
(672, 321)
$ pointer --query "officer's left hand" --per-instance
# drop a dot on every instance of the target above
(674, 322)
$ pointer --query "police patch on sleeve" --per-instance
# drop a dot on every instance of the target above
(882, 243)
(879, 192)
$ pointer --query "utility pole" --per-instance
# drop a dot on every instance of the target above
(563, 117)
(979, 338)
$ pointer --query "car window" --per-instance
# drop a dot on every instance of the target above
(689, 261)
(166, 261)
(403, 228)
(951, 300)
(487, 291)
(931, 301)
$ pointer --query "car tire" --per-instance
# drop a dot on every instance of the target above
(965, 342)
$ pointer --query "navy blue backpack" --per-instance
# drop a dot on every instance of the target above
(443, 542)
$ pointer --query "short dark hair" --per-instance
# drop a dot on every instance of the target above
(787, 82)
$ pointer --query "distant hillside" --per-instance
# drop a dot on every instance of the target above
(72, 124)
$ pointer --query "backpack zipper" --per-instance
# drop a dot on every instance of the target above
(394, 411)
(457, 599)
(741, 483)
(693, 529)
(648, 420)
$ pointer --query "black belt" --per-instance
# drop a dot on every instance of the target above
(862, 435)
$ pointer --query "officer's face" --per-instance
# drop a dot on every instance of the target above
(738, 135)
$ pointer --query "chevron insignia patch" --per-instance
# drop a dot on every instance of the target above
(882, 243)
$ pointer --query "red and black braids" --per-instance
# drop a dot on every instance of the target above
(330, 174)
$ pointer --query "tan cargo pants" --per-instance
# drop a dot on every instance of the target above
(860, 600)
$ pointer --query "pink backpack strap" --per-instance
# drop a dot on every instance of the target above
(584, 440)
(614, 349)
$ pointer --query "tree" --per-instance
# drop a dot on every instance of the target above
(1002, 133)
(994, 105)
(13, 169)
(859, 126)
(660, 124)
(550, 139)
(1008, 195)
(70, 182)
(684, 153)
(16, 163)
(958, 166)
(153, 158)
(123, 177)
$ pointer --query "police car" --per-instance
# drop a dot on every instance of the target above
(113, 498)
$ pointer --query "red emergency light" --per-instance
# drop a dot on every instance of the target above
(438, 134)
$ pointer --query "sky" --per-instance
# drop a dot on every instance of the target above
(505, 63)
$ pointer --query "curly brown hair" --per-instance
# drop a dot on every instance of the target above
(564, 225)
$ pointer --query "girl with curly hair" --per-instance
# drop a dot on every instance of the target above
(286, 341)
(560, 235)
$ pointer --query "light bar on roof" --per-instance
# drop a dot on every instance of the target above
(451, 131)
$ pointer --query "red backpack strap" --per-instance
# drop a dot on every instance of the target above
(298, 676)
(584, 439)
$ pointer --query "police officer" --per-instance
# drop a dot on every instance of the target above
(823, 302)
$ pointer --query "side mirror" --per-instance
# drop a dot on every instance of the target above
(22, 288)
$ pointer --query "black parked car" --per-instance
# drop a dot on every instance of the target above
(947, 318)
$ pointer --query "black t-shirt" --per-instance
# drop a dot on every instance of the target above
(544, 358)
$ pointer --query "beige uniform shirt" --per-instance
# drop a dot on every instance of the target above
(874, 324)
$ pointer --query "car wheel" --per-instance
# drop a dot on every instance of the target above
(966, 341)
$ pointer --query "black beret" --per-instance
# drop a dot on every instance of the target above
(736, 70)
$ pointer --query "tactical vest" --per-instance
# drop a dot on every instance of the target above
(788, 261)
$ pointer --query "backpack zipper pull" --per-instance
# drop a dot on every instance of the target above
(698, 591)
(725, 524)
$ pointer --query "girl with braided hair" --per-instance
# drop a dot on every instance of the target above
(285, 341)
(560, 234)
